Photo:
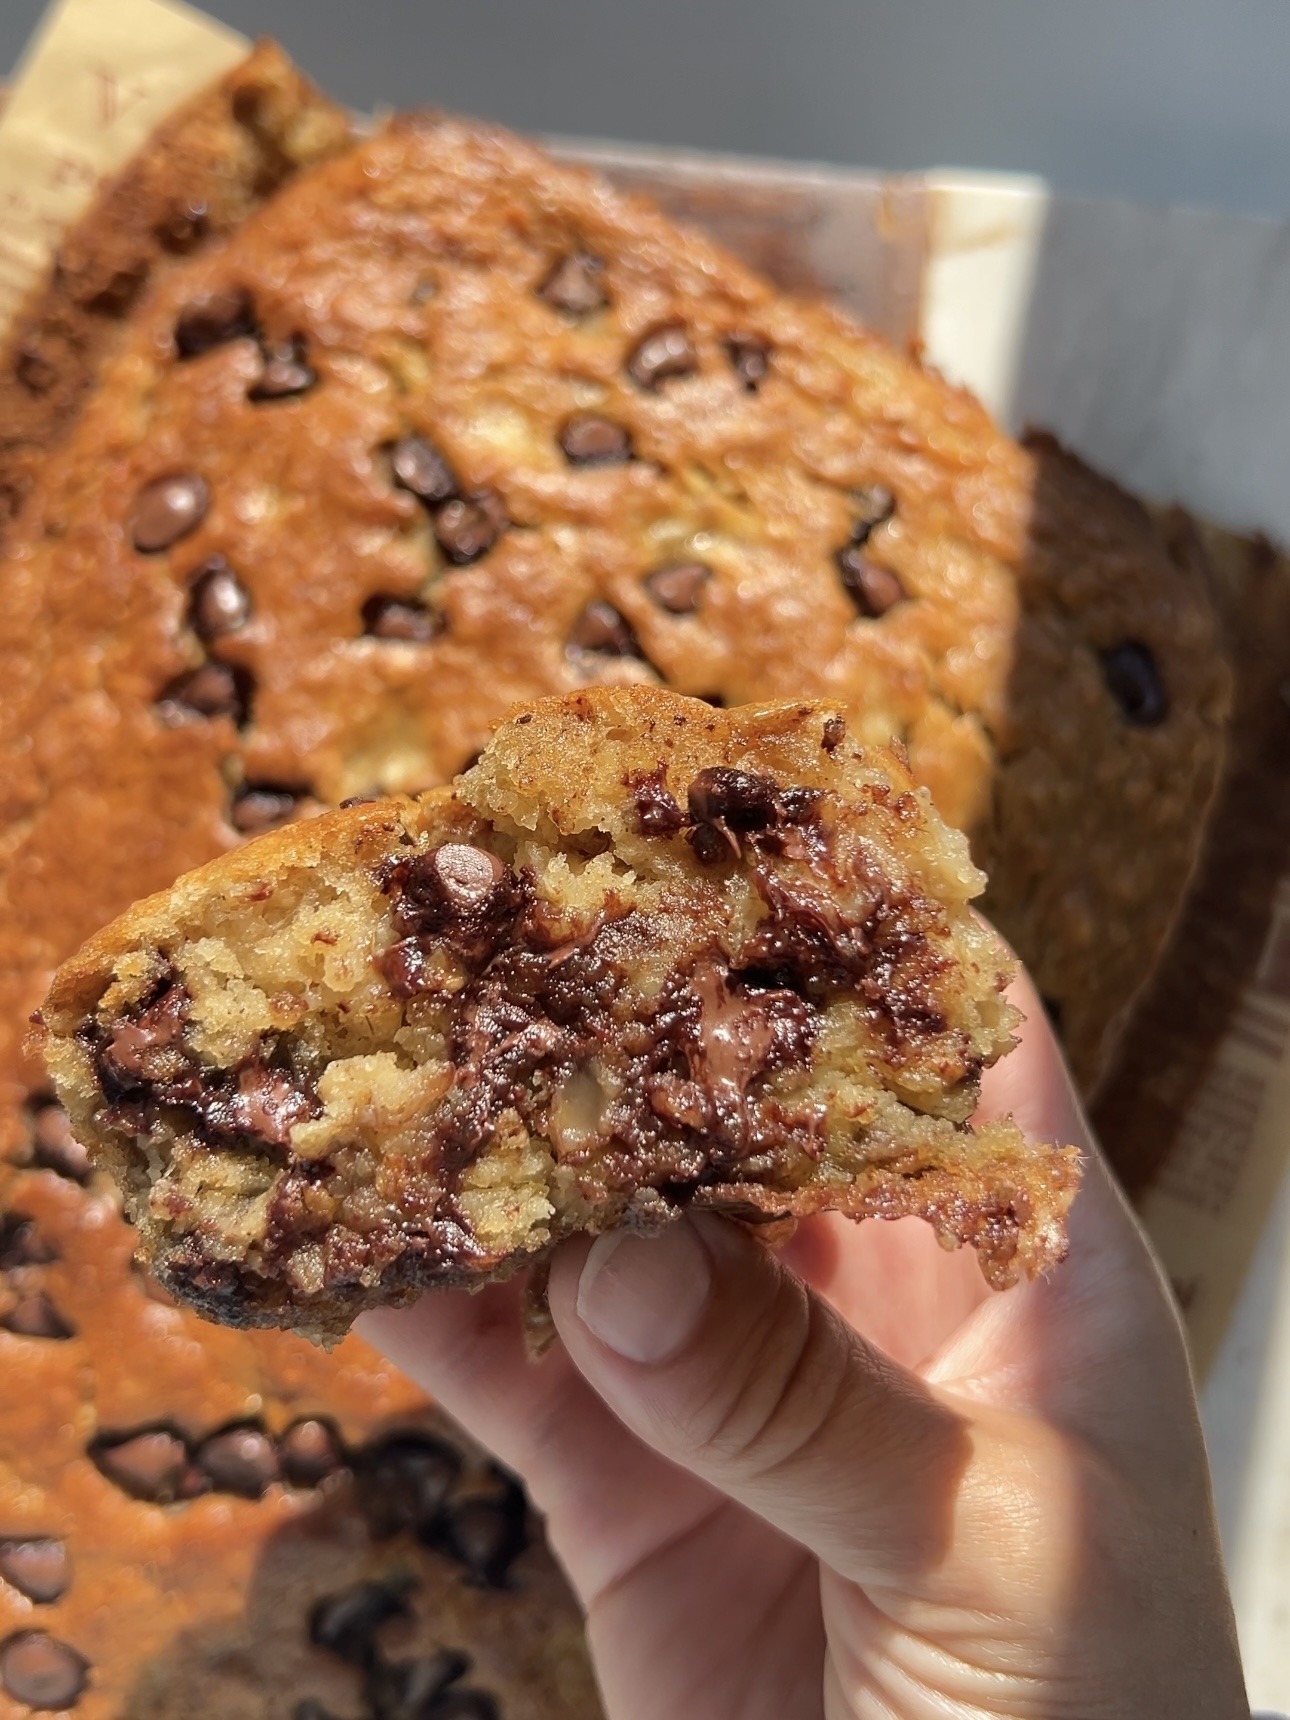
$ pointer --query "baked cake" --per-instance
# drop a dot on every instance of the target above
(202, 173)
(439, 427)
(648, 954)
(190, 1518)
(444, 427)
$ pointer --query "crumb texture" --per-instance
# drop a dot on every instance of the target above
(648, 954)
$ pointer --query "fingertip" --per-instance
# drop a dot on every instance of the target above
(639, 1297)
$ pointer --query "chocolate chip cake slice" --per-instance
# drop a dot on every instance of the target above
(647, 954)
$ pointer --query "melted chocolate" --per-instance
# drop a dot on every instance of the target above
(657, 812)
(145, 1065)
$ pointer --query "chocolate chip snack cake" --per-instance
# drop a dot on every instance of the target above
(648, 954)
(202, 173)
(383, 437)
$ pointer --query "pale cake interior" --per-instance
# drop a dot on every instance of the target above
(648, 954)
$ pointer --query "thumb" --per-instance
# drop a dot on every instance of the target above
(709, 1349)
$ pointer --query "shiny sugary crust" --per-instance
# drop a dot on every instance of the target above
(639, 840)
(201, 174)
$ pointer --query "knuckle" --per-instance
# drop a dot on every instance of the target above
(779, 1390)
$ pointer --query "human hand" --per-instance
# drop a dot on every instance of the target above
(850, 1481)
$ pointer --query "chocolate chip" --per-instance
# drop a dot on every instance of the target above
(147, 1046)
(835, 732)
(739, 799)
(152, 1465)
(421, 468)
(711, 845)
(285, 371)
(874, 589)
(400, 618)
(467, 529)
(310, 1451)
(168, 509)
(405, 968)
(37, 1669)
(401, 1482)
(657, 813)
(601, 628)
(750, 356)
(240, 1460)
(310, 1709)
(678, 586)
(211, 690)
(117, 293)
(1133, 678)
(461, 894)
(35, 1316)
(589, 439)
(487, 1535)
(182, 225)
(34, 370)
(465, 1705)
(458, 874)
(21, 1244)
(259, 806)
(54, 1147)
(664, 352)
(38, 1568)
(218, 602)
(574, 284)
(346, 1623)
(409, 1689)
(266, 1104)
(874, 503)
(224, 313)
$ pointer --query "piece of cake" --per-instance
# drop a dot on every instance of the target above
(647, 955)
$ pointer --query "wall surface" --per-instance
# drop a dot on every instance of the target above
(1163, 100)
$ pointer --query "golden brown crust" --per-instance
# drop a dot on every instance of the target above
(201, 174)
(736, 945)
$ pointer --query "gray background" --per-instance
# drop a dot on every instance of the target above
(1165, 100)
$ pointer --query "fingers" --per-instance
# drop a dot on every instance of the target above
(891, 1280)
(726, 1365)
(581, 1466)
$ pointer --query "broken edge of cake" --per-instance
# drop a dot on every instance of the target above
(646, 954)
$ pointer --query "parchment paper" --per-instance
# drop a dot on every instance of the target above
(97, 79)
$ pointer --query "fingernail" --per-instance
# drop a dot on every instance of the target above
(642, 1296)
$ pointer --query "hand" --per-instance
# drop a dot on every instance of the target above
(850, 1481)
